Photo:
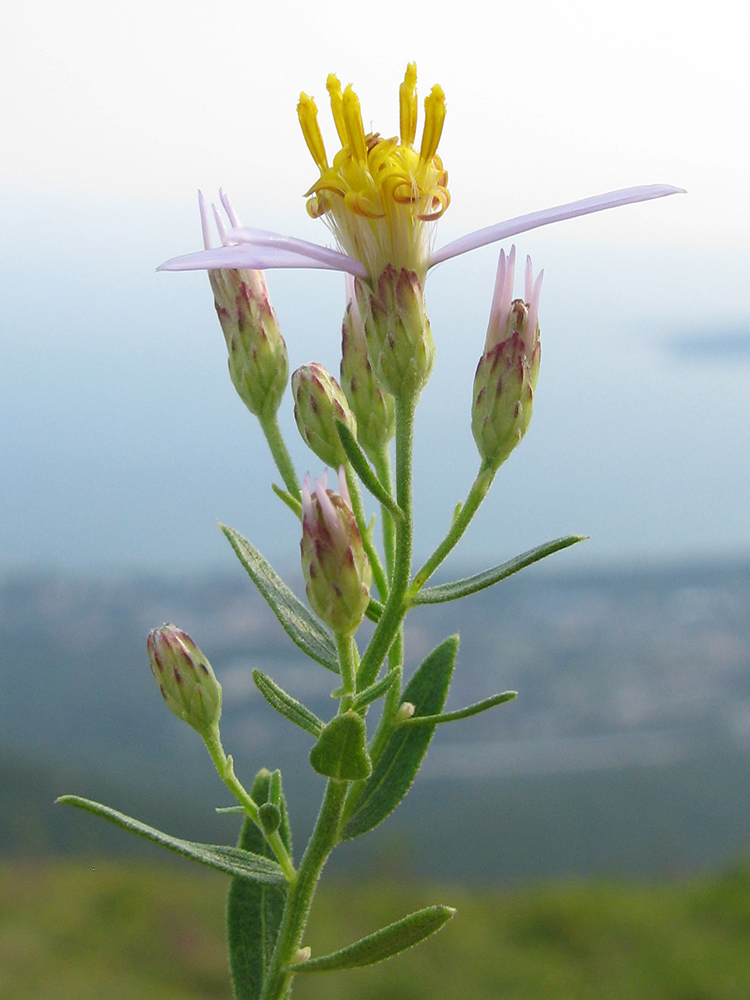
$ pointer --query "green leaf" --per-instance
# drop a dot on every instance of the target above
(287, 706)
(254, 911)
(302, 627)
(374, 610)
(362, 467)
(382, 944)
(472, 584)
(341, 751)
(291, 502)
(461, 713)
(373, 692)
(397, 767)
(230, 860)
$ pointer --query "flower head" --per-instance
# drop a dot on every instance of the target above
(507, 372)
(335, 566)
(379, 195)
(381, 198)
(319, 402)
(185, 678)
(371, 404)
(258, 364)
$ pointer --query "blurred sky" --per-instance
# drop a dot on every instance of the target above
(122, 441)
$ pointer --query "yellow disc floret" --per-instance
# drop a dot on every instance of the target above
(379, 195)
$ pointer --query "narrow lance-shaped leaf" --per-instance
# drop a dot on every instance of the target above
(254, 911)
(375, 691)
(287, 706)
(286, 498)
(362, 467)
(461, 713)
(374, 610)
(230, 860)
(382, 944)
(473, 584)
(397, 767)
(302, 627)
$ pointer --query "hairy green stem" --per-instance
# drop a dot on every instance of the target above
(282, 458)
(299, 897)
(225, 766)
(358, 510)
(396, 606)
(348, 664)
(382, 463)
(479, 489)
(388, 634)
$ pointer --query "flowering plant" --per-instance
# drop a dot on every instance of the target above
(381, 198)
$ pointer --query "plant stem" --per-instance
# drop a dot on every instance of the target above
(225, 767)
(395, 607)
(359, 516)
(300, 895)
(347, 663)
(388, 634)
(477, 493)
(282, 458)
(382, 463)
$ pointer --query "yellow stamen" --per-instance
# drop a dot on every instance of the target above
(355, 130)
(407, 96)
(434, 118)
(307, 113)
(334, 92)
(379, 195)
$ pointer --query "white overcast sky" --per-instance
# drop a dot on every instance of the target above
(114, 113)
(547, 101)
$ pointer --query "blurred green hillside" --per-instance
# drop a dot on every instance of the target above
(73, 931)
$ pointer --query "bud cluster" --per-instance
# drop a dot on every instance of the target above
(507, 372)
(334, 563)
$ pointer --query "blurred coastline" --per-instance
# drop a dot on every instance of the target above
(627, 751)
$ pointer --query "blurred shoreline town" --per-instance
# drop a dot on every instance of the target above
(626, 752)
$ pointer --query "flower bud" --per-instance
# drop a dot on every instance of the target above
(185, 678)
(507, 372)
(405, 711)
(318, 402)
(334, 563)
(399, 340)
(270, 818)
(372, 406)
(258, 362)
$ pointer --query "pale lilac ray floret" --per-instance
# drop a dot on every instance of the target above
(259, 250)
(502, 301)
(320, 489)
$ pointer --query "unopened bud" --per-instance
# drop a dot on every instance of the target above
(508, 370)
(405, 711)
(302, 955)
(372, 405)
(334, 563)
(319, 402)
(270, 818)
(258, 362)
(185, 678)
(399, 340)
